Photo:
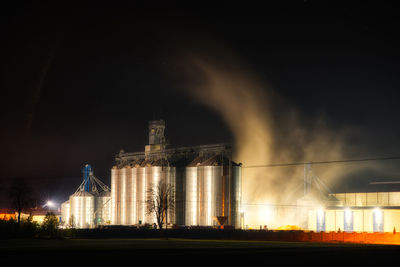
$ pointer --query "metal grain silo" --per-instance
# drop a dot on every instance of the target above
(153, 176)
(235, 195)
(103, 208)
(123, 194)
(212, 190)
(115, 195)
(170, 176)
(91, 203)
(132, 196)
(65, 212)
(192, 195)
(141, 194)
(82, 209)
(210, 194)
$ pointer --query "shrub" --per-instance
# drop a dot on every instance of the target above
(12, 229)
(50, 225)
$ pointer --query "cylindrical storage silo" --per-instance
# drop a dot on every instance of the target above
(141, 194)
(82, 209)
(235, 195)
(192, 195)
(132, 219)
(123, 194)
(115, 195)
(213, 189)
(103, 208)
(65, 213)
(153, 175)
(177, 209)
(210, 194)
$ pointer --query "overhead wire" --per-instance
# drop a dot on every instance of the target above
(320, 162)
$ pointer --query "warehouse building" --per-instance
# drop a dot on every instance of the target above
(322, 210)
(357, 212)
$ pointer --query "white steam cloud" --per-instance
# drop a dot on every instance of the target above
(266, 130)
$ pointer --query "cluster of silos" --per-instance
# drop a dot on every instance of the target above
(89, 206)
(207, 188)
(86, 210)
(212, 190)
(131, 186)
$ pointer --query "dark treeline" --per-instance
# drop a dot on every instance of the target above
(27, 228)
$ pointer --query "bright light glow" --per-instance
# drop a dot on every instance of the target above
(348, 214)
(289, 228)
(267, 214)
(50, 204)
(320, 215)
(378, 215)
(320, 220)
(320, 212)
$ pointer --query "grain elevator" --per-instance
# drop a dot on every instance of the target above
(206, 183)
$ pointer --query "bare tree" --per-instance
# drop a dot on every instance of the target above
(21, 196)
(159, 201)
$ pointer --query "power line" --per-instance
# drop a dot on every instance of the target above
(394, 182)
(319, 162)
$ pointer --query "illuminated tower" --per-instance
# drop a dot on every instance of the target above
(87, 171)
(156, 132)
(156, 137)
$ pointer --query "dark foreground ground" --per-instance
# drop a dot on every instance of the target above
(188, 252)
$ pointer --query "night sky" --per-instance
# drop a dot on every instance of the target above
(79, 83)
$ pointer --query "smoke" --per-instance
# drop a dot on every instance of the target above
(266, 130)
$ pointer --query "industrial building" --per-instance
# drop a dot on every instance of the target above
(206, 183)
(207, 192)
(358, 212)
(206, 186)
(321, 210)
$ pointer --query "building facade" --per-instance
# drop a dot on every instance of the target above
(358, 212)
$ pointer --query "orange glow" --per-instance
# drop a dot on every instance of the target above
(331, 237)
(7, 216)
(289, 228)
(360, 238)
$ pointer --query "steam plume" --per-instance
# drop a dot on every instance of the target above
(266, 130)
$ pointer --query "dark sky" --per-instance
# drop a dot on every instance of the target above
(79, 83)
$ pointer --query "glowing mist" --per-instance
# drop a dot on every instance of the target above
(266, 131)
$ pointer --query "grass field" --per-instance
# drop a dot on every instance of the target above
(123, 251)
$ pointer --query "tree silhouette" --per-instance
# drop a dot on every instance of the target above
(21, 196)
(160, 200)
(50, 224)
